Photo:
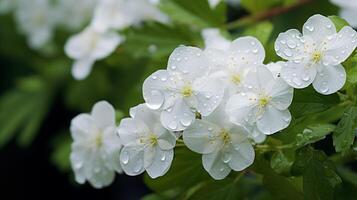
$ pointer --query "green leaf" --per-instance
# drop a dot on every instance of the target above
(195, 13)
(344, 133)
(262, 31)
(256, 6)
(185, 172)
(338, 21)
(281, 161)
(313, 133)
(279, 186)
(308, 101)
(319, 176)
(352, 75)
(348, 175)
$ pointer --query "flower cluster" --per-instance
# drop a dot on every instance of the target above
(221, 100)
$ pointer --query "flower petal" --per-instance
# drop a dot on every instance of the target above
(132, 160)
(215, 166)
(330, 79)
(241, 108)
(248, 50)
(200, 137)
(242, 156)
(103, 114)
(130, 130)
(341, 46)
(190, 62)
(178, 117)
(298, 75)
(106, 44)
(111, 149)
(81, 68)
(209, 93)
(350, 15)
(102, 178)
(213, 39)
(167, 141)
(290, 45)
(318, 27)
(161, 163)
(281, 93)
(273, 120)
(82, 127)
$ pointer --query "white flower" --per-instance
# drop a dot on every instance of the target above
(275, 68)
(147, 144)
(224, 145)
(7, 6)
(96, 146)
(87, 47)
(232, 60)
(183, 89)
(316, 56)
(348, 10)
(263, 104)
(119, 14)
(36, 19)
(74, 14)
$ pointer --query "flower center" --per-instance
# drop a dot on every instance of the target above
(99, 140)
(151, 140)
(187, 91)
(263, 101)
(225, 136)
(316, 57)
(236, 79)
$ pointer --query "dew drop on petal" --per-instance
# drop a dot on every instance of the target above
(226, 157)
(163, 157)
(78, 165)
(172, 124)
(155, 100)
(288, 52)
(291, 44)
(186, 120)
(125, 157)
(138, 166)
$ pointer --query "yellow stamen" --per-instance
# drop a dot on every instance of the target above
(224, 134)
(236, 79)
(187, 91)
(316, 57)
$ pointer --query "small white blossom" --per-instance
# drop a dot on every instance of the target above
(96, 146)
(36, 19)
(119, 14)
(263, 104)
(183, 89)
(316, 56)
(348, 10)
(231, 61)
(147, 144)
(224, 145)
(87, 47)
(275, 68)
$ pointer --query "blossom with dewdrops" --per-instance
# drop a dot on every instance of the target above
(88, 46)
(225, 146)
(120, 14)
(348, 10)
(183, 89)
(264, 102)
(96, 146)
(36, 19)
(231, 61)
(148, 146)
(316, 56)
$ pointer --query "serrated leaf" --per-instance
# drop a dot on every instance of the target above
(344, 133)
(319, 176)
(313, 133)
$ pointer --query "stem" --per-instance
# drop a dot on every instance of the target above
(180, 141)
(180, 145)
(274, 148)
(244, 21)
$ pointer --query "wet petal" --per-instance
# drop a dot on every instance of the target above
(132, 160)
(318, 27)
(213, 39)
(178, 117)
(290, 45)
(81, 68)
(215, 166)
(298, 75)
(161, 163)
(82, 127)
(273, 120)
(103, 114)
(242, 156)
(330, 79)
(241, 108)
(248, 50)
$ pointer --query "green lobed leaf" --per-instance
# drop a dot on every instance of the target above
(344, 133)
(319, 176)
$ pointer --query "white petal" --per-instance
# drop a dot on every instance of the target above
(290, 45)
(281, 93)
(167, 140)
(82, 127)
(241, 108)
(350, 15)
(242, 156)
(248, 50)
(330, 79)
(209, 94)
(178, 117)
(81, 68)
(258, 78)
(273, 120)
(155, 89)
(318, 27)
(341, 46)
(275, 68)
(77, 46)
(200, 137)
(130, 130)
(161, 163)
(215, 166)
(112, 146)
(132, 160)
(298, 75)
(213, 39)
(150, 117)
(102, 178)
(189, 61)
(103, 114)
(213, 3)
(106, 44)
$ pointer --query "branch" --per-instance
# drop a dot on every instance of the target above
(244, 21)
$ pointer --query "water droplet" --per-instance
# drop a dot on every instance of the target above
(227, 157)
(297, 81)
(125, 157)
(306, 77)
(310, 28)
(138, 166)
(325, 89)
(282, 41)
(155, 100)
(78, 165)
(255, 51)
(154, 77)
(186, 120)
(328, 26)
(172, 125)
(163, 157)
(288, 52)
(222, 169)
(173, 67)
(291, 44)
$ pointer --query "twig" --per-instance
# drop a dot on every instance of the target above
(244, 21)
